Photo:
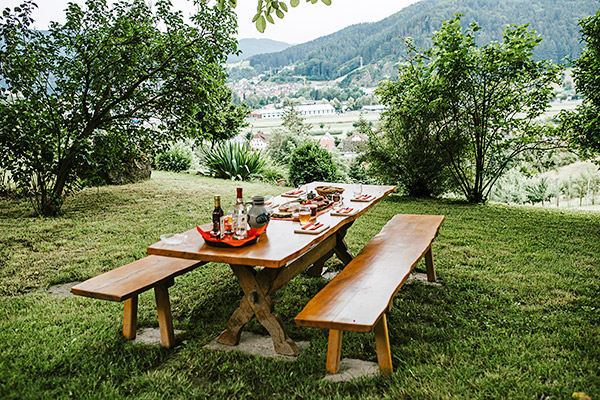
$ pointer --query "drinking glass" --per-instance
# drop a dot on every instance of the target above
(304, 215)
(357, 189)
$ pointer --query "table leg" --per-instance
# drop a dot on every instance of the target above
(341, 250)
(238, 319)
(255, 287)
(317, 268)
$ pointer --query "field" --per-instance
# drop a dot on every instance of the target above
(339, 124)
(517, 314)
(342, 123)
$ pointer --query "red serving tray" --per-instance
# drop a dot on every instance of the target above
(229, 241)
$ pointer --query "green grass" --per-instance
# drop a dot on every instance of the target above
(517, 314)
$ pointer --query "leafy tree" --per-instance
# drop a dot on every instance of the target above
(584, 124)
(335, 103)
(117, 69)
(266, 9)
(292, 134)
(223, 120)
(310, 162)
(482, 101)
(404, 151)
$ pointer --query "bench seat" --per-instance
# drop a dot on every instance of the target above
(357, 298)
(127, 282)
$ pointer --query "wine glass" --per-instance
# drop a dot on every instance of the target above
(357, 189)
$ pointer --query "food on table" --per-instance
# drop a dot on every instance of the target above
(328, 190)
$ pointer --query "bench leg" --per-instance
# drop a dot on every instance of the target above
(334, 351)
(165, 319)
(382, 343)
(429, 264)
(130, 317)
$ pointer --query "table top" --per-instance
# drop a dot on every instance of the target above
(279, 244)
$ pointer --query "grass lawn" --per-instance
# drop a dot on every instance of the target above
(517, 314)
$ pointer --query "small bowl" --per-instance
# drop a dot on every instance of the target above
(173, 238)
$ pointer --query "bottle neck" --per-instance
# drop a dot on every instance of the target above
(217, 202)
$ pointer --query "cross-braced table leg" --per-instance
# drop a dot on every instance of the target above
(341, 250)
(257, 302)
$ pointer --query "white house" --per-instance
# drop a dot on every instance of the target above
(258, 142)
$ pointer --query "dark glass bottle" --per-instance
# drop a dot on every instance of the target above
(217, 216)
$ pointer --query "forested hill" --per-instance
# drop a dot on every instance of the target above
(336, 55)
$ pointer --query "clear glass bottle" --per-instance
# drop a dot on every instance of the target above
(240, 217)
(217, 217)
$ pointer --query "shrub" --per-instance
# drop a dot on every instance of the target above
(273, 172)
(234, 161)
(176, 159)
(310, 163)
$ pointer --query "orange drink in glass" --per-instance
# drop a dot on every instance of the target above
(304, 215)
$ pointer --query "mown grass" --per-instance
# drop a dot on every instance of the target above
(517, 314)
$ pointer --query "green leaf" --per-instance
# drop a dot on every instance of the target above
(233, 3)
(261, 24)
(279, 13)
(221, 5)
(270, 19)
(294, 3)
(283, 6)
(327, 2)
(256, 17)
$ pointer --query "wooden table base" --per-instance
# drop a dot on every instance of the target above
(257, 302)
(258, 285)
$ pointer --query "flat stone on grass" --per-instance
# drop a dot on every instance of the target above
(150, 335)
(62, 290)
(353, 369)
(258, 345)
(422, 278)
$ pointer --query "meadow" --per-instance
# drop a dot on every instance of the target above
(516, 314)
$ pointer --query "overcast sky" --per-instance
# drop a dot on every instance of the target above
(301, 24)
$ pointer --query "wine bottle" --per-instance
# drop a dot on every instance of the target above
(217, 217)
(240, 217)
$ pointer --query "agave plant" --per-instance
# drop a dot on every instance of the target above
(234, 161)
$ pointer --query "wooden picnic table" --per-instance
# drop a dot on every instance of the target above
(283, 254)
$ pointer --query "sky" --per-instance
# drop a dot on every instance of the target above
(301, 24)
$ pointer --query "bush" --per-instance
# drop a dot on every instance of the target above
(234, 161)
(310, 162)
(273, 172)
(178, 158)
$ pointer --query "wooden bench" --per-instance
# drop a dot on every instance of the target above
(127, 282)
(357, 298)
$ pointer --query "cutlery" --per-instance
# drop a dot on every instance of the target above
(317, 226)
(308, 225)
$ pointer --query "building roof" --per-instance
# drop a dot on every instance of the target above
(260, 136)
(327, 141)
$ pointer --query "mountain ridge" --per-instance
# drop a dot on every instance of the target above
(251, 47)
(378, 43)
